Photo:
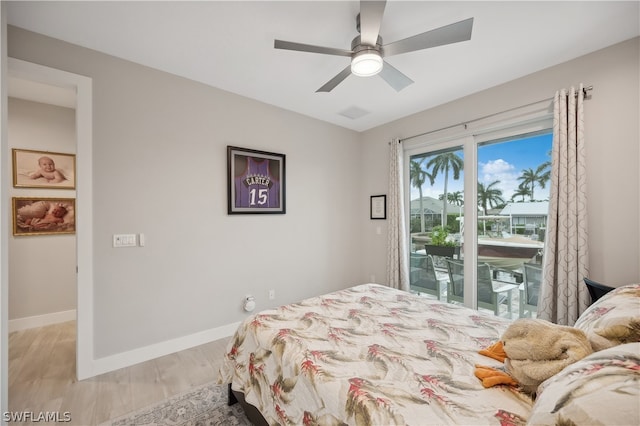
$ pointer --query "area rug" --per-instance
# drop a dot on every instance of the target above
(205, 405)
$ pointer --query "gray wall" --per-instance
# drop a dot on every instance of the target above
(42, 269)
(159, 168)
(612, 137)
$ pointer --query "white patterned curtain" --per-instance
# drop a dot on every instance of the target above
(397, 268)
(563, 296)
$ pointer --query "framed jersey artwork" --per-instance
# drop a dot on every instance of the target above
(256, 181)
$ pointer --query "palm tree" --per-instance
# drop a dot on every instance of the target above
(522, 191)
(442, 163)
(457, 199)
(531, 177)
(545, 175)
(418, 177)
(454, 198)
(488, 196)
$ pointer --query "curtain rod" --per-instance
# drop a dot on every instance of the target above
(585, 92)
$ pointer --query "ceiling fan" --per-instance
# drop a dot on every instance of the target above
(367, 51)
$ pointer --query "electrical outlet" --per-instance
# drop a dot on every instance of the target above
(272, 294)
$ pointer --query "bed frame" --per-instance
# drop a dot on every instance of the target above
(252, 413)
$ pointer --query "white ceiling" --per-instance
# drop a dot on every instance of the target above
(229, 45)
(43, 93)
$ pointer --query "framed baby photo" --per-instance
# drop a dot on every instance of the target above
(43, 216)
(43, 169)
(255, 181)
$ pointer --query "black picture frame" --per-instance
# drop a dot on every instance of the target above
(378, 207)
(256, 181)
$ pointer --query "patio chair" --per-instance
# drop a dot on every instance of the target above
(491, 293)
(424, 278)
(530, 289)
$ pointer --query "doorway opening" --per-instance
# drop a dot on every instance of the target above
(47, 89)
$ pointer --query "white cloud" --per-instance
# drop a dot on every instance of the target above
(502, 171)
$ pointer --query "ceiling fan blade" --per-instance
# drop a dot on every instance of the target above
(289, 45)
(452, 33)
(394, 78)
(370, 19)
(331, 84)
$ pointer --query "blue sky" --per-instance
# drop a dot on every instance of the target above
(502, 161)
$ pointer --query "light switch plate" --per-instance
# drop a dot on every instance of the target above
(124, 240)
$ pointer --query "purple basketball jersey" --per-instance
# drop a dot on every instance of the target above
(256, 188)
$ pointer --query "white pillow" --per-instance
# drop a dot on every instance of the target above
(613, 319)
(601, 389)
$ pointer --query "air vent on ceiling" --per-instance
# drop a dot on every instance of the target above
(354, 112)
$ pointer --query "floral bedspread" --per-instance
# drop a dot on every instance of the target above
(370, 355)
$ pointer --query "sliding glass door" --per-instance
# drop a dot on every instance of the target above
(436, 188)
(512, 197)
(477, 219)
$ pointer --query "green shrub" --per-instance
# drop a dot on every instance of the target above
(439, 237)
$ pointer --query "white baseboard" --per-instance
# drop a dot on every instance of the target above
(135, 356)
(41, 320)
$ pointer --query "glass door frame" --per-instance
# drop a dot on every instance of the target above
(469, 149)
(530, 118)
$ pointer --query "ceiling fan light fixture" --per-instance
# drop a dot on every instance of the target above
(366, 63)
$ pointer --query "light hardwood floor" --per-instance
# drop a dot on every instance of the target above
(42, 377)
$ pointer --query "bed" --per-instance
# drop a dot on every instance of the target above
(372, 355)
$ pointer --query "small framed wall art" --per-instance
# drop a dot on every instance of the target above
(378, 207)
(43, 216)
(43, 169)
(255, 181)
